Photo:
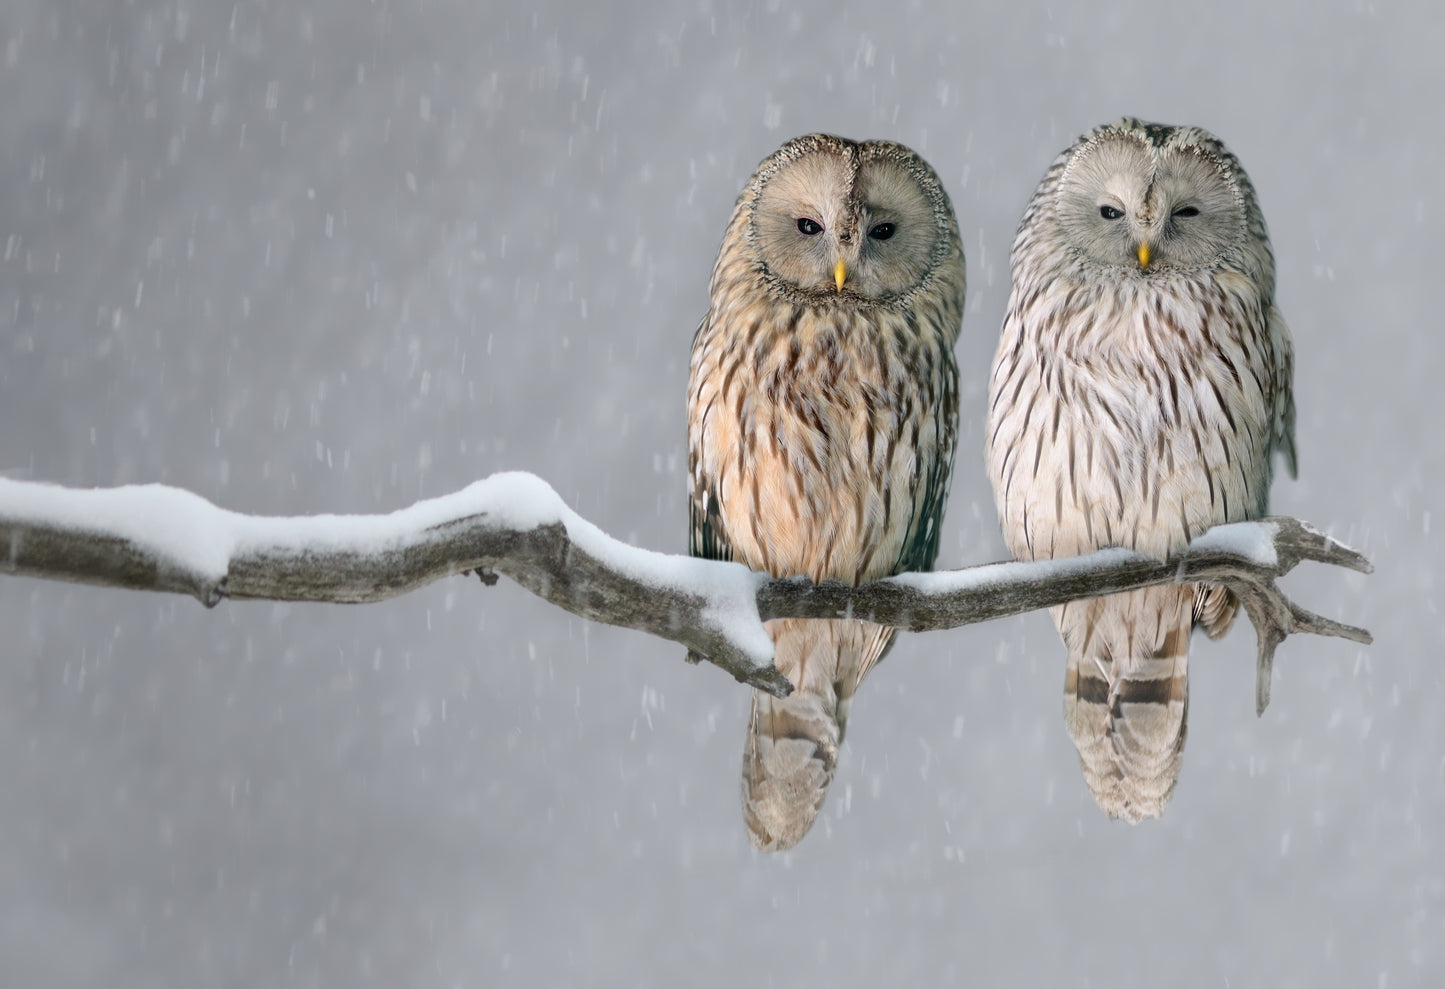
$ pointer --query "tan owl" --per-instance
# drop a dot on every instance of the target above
(1142, 383)
(822, 408)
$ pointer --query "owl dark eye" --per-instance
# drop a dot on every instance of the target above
(809, 227)
(882, 231)
(1110, 213)
(1187, 211)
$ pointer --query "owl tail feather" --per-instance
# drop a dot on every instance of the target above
(792, 744)
(1126, 696)
(788, 762)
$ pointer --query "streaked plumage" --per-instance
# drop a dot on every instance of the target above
(822, 409)
(1141, 384)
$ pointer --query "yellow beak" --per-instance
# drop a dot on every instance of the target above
(840, 274)
(1144, 254)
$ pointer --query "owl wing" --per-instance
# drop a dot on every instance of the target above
(930, 480)
(930, 496)
(1282, 436)
(920, 546)
(1215, 607)
(707, 537)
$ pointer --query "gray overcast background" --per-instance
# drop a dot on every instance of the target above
(324, 255)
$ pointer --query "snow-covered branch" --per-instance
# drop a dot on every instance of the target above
(159, 538)
(1247, 556)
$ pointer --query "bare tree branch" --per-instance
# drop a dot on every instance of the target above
(164, 539)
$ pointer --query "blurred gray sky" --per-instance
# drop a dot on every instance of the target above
(330, 256)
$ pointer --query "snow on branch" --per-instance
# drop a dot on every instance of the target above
(1247, 556)
(158, 538)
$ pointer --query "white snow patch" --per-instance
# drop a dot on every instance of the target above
(1252, 540)
(177, 526)
(730, 588)
(197, 537)
(733, 610)
(1021, 572)
(517, 500)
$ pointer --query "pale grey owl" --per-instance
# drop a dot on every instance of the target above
(1140, 388)
(822, 408)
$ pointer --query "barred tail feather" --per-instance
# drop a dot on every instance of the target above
(788, 762)
(792, 744)
(1126, 695)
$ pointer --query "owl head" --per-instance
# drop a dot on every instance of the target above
(831, 220)
(1144, 198)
